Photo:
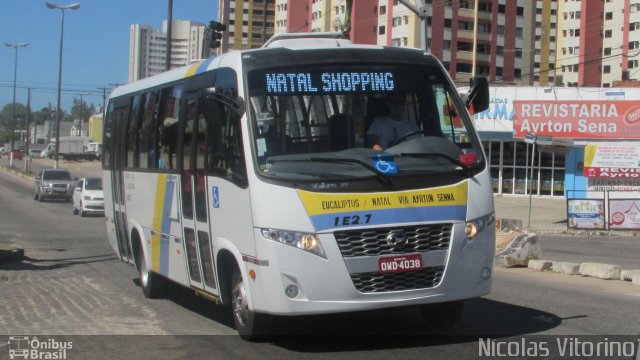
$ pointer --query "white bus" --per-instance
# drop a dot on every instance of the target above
(250, 178)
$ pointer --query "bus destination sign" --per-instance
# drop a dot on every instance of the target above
(329, 82)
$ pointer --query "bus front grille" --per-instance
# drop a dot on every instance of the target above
(376, 282)
(374, 242)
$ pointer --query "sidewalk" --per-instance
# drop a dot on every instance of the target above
(548, 215)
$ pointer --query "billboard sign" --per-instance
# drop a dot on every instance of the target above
(585, 213)
(624, 214)
(612, 160)
(577, 119)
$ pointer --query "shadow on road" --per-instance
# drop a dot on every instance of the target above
(187, 298)
(380, 329)
(29, 263)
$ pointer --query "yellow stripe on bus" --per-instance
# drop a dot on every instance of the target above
(192, 69)
(157, 222)
(327, 203)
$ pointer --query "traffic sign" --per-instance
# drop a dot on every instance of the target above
(530, 138)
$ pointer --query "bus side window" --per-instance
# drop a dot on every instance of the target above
(147, 131)
(225, 157)
(191, 114)
(132, 133)
(168, 128)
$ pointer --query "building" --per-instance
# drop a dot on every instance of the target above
(492, 38)
(95, 127)
(147, 47)
(79, 128)
(598, 42)
(543, 42)
(566, 122)
(249, 23)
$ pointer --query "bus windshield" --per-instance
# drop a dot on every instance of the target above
(342, 122)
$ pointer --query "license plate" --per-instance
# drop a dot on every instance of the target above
(399, 263)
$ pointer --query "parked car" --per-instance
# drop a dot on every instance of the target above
(88, 197)
(34, 152)
(17, 154)
(54, 183)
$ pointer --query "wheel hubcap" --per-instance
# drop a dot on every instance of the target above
(144, 274)
(240, 307)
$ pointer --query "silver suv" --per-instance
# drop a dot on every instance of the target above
(54, 183)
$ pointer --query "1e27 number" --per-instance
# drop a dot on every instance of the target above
(351, 220)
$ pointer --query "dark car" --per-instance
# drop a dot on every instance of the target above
(54, 183)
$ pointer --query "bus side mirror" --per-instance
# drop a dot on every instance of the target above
(477, 100)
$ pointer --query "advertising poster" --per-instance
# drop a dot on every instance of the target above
(614, 160)
(624, 214)
(585, 214)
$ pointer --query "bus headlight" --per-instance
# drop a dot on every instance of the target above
(474, 227)
(304, 241)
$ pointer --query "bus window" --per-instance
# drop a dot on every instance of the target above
(225, 157)
(200, 188)
(191, 113)
(168, 128)
(108, 138)
(323, 113)
(133, 160)
(148, 151)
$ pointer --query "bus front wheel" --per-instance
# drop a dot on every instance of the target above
(248, 323)
(149, 281)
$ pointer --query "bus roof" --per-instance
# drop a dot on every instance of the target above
(278, 45)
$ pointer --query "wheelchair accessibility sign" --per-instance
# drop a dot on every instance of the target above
(385, 164)
(216, 196)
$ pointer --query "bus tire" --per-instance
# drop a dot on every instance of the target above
(150, 282)
(248, 324)
(445, 314)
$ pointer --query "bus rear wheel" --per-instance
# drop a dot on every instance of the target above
(150, 282)
(248, 323)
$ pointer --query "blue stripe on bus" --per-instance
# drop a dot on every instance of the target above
(204, 65)
(389, 216)
(165, 241)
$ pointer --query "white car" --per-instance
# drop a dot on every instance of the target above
(88, 197)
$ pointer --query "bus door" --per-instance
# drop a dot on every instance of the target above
(195, 209)
(119, 153)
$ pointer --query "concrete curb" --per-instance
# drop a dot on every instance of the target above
(594, 270)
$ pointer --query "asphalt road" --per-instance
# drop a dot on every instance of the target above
(71, 285)
(613, 249)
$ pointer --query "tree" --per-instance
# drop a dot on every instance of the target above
(80, 110)
(6, 119)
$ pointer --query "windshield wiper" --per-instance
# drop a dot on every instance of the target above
(466, 168)
(383, 179)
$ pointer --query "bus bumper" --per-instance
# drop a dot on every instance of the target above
(327, 285)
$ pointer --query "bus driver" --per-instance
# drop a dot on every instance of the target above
(387, 130)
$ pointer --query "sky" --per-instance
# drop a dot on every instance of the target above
(96, 45)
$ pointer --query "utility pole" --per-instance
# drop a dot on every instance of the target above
(167, 63)
(27, 156)
(104, 100)
(422, 13)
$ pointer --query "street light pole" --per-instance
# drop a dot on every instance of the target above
(74, 6)
(422, 13)
(15, 75)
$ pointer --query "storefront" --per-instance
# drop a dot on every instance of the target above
(567, 119)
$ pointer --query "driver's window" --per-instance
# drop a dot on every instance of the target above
(225, 157)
